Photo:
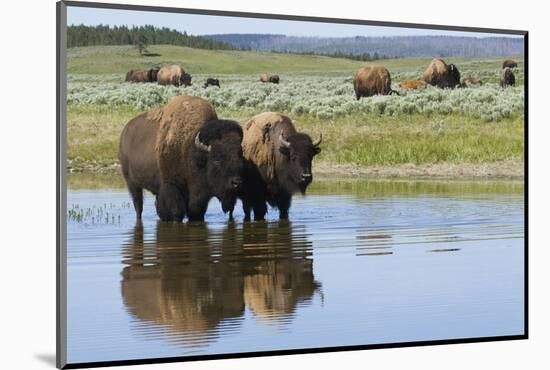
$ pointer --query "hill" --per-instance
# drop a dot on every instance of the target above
(120, 59)
(396, 46)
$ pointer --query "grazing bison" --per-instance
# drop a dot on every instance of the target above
(184, 155)
(471, 82)
(277, 164)
(173, 75)
(140, 75)
(412, 85)
(373, 80)
(509, 63)
(442, 75)
(211, 82)
(269, 78)
(507, 78)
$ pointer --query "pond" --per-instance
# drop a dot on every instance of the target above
(359, 262)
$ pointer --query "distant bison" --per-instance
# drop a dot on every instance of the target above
(507, 77)
(184, 155)
(509, 63)
(471, 82)
(211, 82)
(277, 164)
(269, 78)
(140, 75)
(173, 75)
(412, 85)
(442, 75)
(373, 80)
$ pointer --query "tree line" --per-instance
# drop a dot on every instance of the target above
(81, 35)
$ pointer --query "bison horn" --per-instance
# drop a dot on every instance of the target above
(283, 141)
(200, 145)
(316, 143)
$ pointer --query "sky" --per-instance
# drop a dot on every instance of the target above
(208, 24)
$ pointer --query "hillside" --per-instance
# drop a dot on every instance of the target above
(397, 46)
(119, 59)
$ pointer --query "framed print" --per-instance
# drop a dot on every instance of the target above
(237, 184)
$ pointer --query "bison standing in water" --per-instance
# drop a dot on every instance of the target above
(269, 78)
(509, 63)
(184, 155)
(373, 80)
(507, 78)
(277, 164)
(442, 75)
(173, 75)
(140, 75)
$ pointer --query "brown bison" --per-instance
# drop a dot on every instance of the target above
(269, 78)
(507, 77)
(140, 75)
(277, 164)
(471, 82)
(184, 155)
(509, 63)
(442, 75)
(412, 85)
(373, 80)
(173, 75)
(211, 82)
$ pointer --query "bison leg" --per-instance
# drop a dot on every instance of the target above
(283, 203)
(260, 209)
(197, 208)
(170, 203)
(137, 197)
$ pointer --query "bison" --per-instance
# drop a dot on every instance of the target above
(140, 75)
(211, 82)
(507, 78)
(277, 164)
(184, 155)
(471, 82)
(509, 63)
(173, 75)
(412, 85)
(373, 80)
(269, 78)
(442, 75)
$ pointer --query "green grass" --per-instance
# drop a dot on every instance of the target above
(349, 139)
(356, 139)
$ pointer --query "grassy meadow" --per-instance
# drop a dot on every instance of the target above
(453, 129)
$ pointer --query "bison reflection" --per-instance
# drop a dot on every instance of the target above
(196, 282)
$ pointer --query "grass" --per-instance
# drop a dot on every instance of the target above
(464, 127)
(358, 139)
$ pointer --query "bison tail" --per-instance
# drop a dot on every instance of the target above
(392, 92)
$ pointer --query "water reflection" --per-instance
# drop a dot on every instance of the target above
(190, 282)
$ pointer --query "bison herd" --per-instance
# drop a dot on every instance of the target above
(185, 155)
(376, 80)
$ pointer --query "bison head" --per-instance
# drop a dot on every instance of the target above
(454, 75)
(185, 79)
(274, 79)
(152, 74)
(220, 159)
(297, 152)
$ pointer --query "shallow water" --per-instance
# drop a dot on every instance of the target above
(359, 263)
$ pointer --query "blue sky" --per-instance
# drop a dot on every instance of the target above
(207, 24)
